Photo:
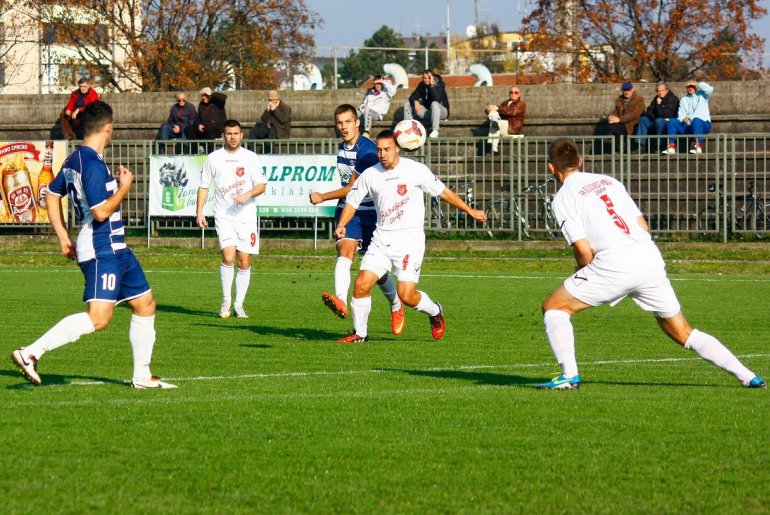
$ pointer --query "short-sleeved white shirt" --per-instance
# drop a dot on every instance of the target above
(397, 194)
(599, 208)
(233, 173)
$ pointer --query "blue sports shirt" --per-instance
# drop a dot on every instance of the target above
(355, 159)
(84, 176)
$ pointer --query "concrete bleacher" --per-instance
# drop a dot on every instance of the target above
(552, 109)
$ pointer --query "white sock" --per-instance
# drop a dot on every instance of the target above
(360, 309)
(226, 274)
(426, 305)
(389, 290)
(712, 350)
(558, 328)
(242, 279)
(342, 277)
(68, 330)
(141, 334)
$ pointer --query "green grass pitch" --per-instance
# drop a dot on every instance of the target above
(273, 416)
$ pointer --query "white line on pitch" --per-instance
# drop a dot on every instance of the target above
(319, 373)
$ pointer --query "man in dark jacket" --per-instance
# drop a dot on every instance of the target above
(275, 122)
(429, 95)
(181, 116)
(210, 122)
(663, 108)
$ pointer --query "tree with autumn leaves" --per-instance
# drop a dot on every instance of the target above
(671, 40)
(160, 45)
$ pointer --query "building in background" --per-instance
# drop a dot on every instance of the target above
(37, 57)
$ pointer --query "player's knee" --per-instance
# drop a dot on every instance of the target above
(100, 320)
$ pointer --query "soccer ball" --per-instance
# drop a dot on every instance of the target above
(410, 134)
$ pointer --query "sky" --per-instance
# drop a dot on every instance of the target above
(350, 22)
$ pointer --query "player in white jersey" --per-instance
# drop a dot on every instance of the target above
(355, 154)
(111, 271)
(396, 186)
(616, 257)
(239, 178)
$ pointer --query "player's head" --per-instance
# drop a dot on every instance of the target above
(233, 134)
(387, 149)
(347, 122)
(563, 157)
(96, 117)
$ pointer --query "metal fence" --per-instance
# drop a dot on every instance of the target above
(721, 193)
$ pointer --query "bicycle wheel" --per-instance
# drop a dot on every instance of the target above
(708, 220)
(549, 223)
(496, 218)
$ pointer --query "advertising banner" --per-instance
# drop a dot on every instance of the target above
(174, 182)
(26, 168)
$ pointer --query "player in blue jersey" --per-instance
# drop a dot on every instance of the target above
(112, 272)
(355, 154)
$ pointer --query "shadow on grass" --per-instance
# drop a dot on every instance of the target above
(295, 333)
(57, 380)
(180, 310)
(484, 378)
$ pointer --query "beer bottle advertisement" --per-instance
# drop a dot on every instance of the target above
(26, 170)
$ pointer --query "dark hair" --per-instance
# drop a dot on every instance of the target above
(232, 123)
(386, 134)
(563, 154)
(95, 116)
(82, 80)
(345, 108)
(377, 77)
(427, 70)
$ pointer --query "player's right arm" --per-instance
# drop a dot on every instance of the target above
(347, 215)
(582, 251)
(56, 217)
(317, 197)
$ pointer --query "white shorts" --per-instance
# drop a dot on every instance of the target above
(244, 236)
(399, 251)
(637, 272)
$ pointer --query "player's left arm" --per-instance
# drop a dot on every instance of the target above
(104, 210)
(454, 199)
(244, 197)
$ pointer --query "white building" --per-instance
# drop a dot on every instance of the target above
(34, 57)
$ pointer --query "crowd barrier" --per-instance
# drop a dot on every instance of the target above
(719, 194)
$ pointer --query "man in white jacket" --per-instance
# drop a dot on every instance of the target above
(376, 103)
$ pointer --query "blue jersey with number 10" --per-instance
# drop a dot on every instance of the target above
(84, 176)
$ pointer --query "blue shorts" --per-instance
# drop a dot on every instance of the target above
(114, 279)
(360, 228)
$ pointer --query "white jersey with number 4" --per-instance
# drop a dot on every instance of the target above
(233, 173)
(599, 208)
(397, 194)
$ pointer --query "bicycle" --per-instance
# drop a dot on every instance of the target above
(440, 216)
(506, 213)
(750, 213)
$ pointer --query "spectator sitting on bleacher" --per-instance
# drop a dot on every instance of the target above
(181, 116)
(629, 107)
(507, 118)
(428, 97)
(79, 99)
(210, 121)
(275, 122)
(694, 116)
(662, 109)
(376, 102)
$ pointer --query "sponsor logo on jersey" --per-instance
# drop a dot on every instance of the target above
(401, 189)
(240, 171)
